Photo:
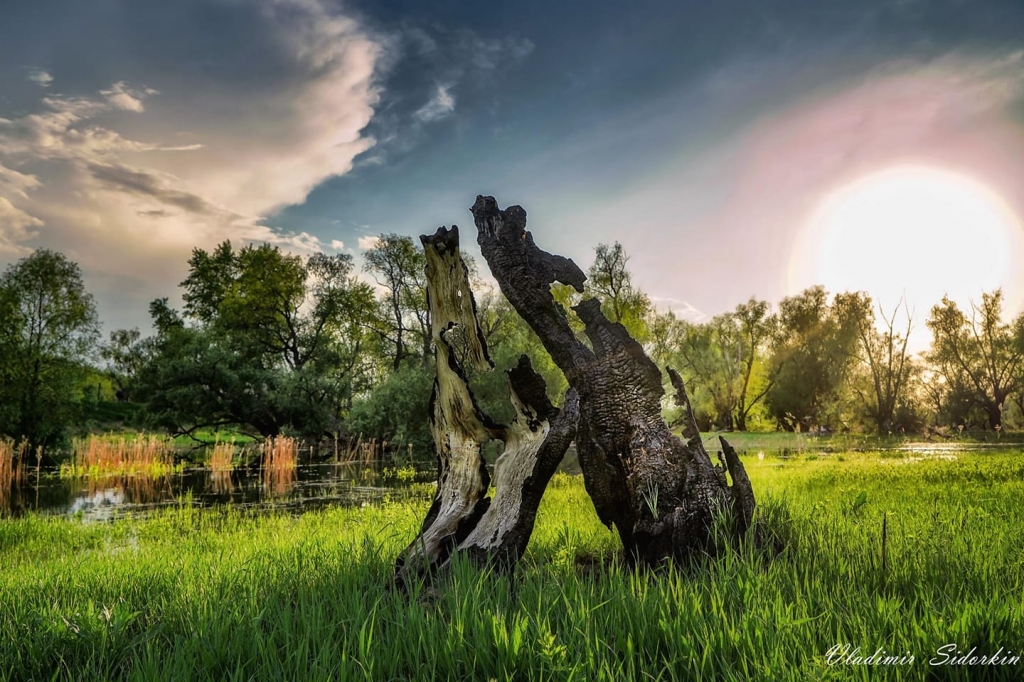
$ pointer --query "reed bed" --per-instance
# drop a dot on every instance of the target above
(222, 457)
(12, 458)
(280, 452)
(280, 459)
(98, 456)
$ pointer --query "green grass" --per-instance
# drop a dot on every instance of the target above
(781, 441)
(217, 594)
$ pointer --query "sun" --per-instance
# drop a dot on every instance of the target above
(912, 233)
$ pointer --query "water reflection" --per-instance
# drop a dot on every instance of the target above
(290, 488)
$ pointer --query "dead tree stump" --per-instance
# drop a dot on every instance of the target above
(662, 494)
(462, 518)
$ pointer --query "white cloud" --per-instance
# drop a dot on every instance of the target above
(367, 242)
(209, 165)
(120, 96)
(337, 244)
(40, 77)
(682, 309)
(439, 106)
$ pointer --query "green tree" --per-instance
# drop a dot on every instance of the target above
(723, 360)
(812, 362)
(268, 340)
(48, 329)
(609, 281)
(979, 357)
(126, 355)
(399, 267)
(882, 357)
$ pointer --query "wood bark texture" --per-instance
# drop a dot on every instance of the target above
(462, 518)
(661, 493)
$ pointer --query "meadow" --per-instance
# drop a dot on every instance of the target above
(221, 594)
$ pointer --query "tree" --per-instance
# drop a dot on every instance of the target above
(610, 282)
(126, 355)
(883, 354)
(268, 341)
(812, 363)
(721, 357)
(397, 265)
(49, 327)
(980, 357)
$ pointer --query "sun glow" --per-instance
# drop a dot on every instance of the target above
(912, 233)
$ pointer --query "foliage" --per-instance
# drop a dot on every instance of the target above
(397, 411)
(222, 594)
(621, 301)
(126, 353)
(720, 360)
(884, 389)
(813, 361)
(48, 328)
(268, 341)
(979, 358)
(403, 318)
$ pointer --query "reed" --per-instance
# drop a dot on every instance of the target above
(98, 456)
(280, 452)
(222, 457)
(11, 460)
(280, 458)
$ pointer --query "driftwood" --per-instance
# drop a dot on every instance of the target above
(462, 517)
(662, 494)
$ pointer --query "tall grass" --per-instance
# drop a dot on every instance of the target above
(280, 458)
(124, 456)
(11, 465)
(11, 459)
(222, 457)
(218, 594)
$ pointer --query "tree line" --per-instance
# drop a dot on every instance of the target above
(270, 342)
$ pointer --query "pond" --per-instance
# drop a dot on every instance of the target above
(295, 489)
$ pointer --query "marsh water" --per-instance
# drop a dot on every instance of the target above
(301, 488)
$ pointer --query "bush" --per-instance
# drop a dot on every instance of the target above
(397, 411)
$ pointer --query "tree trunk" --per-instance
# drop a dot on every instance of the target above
(462, 518)
(662, 494)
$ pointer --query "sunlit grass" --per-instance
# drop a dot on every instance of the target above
(218, 594)
(144, 455)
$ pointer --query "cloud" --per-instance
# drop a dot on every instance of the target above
(439, 106)
(15, 229)
(369, 241)
(126, 180)
(120, 96)
(40, 77)
(337, 244)
(682, 309)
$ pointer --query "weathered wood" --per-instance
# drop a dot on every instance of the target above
(661, 494)
(462, 518)
(458, 426)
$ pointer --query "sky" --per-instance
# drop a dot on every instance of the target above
(711, 139)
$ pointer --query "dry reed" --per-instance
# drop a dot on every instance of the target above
(221, 459)
(11, 465)
(97, 456)
(280, 457)
(11, 460)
